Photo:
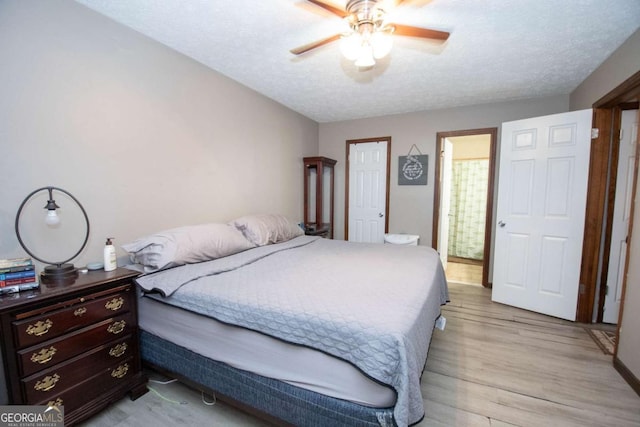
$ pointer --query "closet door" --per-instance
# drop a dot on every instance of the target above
(368, 180)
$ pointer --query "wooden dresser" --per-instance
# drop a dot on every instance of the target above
(74, 345)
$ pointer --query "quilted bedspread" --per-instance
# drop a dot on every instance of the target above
(372, 305)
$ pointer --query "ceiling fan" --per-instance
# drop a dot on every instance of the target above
(369, 36)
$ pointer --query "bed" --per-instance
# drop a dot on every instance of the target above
(300, 330)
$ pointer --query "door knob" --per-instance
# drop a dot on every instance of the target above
(501, 223)
(380, 215)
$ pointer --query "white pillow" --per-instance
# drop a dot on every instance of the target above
(264, 229)
(186, 245)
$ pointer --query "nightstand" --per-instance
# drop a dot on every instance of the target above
(74, 345)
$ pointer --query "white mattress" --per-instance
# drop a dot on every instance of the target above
(258, 353)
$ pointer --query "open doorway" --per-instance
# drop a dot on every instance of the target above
(617, 212)
(463, 203)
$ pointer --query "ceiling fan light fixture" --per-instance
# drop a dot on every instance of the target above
(350, 45)
(382, 42)
(365, 59)
(369, 36)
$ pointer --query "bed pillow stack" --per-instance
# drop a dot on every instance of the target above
(206, 242)
(266, 229)
(186, 245)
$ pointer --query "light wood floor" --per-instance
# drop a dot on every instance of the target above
(464, 273)
(496, 365)
(492, 366)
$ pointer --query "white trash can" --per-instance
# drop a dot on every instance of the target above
(402, 239)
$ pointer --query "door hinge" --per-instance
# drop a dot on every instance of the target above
(606, 291)
(582, 289)
(621, 134)
(595, 132)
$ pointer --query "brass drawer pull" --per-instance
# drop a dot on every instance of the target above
(118, 350)
(44, 355)
(40, 328)
(57, 402)
(115, 304)
(47, 383)
(120, 371)
(117, 327)
(79, 312)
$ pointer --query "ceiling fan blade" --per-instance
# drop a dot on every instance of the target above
(409, 31)
(308, 47)
(335, 10)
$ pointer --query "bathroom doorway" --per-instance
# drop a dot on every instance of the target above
(464, 203)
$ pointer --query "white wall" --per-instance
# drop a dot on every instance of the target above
(411, 207)
(620, 65)
(144, 137)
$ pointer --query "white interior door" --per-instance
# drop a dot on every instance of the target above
(445, 201)
(367, 191)
(542, 193)
(621, 211)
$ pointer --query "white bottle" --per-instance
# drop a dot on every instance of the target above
(109, 256)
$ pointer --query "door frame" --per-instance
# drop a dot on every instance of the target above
(350, 142)
(613, 178)
(606, 118)
(488, 227)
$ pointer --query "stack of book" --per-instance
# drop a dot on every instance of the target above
(17, 274)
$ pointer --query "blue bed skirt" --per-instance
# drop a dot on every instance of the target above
(269, 397)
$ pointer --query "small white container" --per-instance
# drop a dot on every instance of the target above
(402, 239)
(110, 263)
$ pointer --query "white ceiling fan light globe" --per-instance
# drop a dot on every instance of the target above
(365, 59)
(382, 42)
(350, 46)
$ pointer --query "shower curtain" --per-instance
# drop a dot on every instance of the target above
(469, 187)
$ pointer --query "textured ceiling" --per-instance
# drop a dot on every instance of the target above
(498, 49)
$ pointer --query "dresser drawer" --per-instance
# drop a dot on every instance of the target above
(81, 312)
(51, 382)
(45, 355)
(108, 378)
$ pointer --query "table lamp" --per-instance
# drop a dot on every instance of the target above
(55, 271)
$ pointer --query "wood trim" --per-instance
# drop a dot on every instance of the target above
(349, 142)
(594, 215)
(436, 190)
(629, 105)
(488, 228)
(332, 196)
(626, 373)
(346, 191)
(625, 92)
(610, 204)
